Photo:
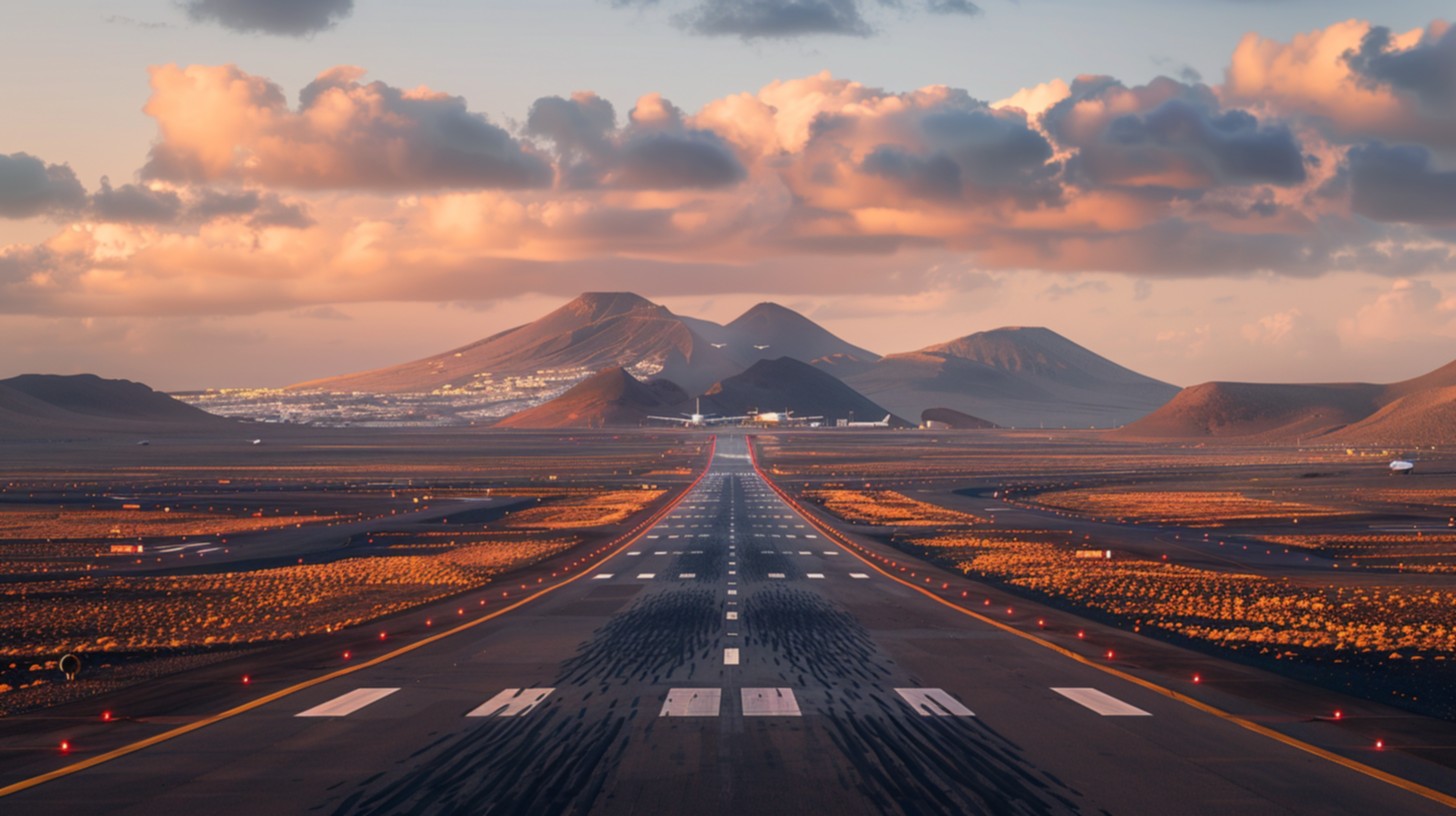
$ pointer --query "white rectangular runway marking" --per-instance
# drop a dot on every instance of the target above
(635, 552)
(1104, 704)
(770, 702)
(805, 552)
(511, 702)
(858, 575)
(730, 657)
(831, 552)
(775, 575)
(816, 575)
(732, 592)
(688, 575)
(692, 702)
(646, 576)
(602, 576)
(347, 704)
(933, 702)
(732, 616)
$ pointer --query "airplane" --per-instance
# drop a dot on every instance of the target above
(784, 417)
(884, 423)
(718, 345)
(761, 348)
(698, 419)
(256, 442)
(1402, 466)
(145, 442)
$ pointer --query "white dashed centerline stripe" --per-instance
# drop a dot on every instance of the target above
(511, 702)
(933, 702)
(1104, 704)
(692, 702)
(347, 704)
(860, 575)
(646, 576)
(732, 616)
(602, 576)
(770, 702)
(730, 657)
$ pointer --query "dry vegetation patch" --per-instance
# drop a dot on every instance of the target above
(1194, 508)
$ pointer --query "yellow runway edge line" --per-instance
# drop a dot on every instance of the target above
(1343, 761)
(117, 753)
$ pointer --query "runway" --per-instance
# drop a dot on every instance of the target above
(732, 659)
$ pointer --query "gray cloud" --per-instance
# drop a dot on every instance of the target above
(30, 187)
(293, 18)
(260, 209)
(1426, 70)
(785, 19)
(135, 204)
(1178, 132)
(1399, 183)
(662, 154)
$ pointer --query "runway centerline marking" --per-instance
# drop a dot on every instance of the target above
(346, 704)
(602, 576)
(692, 702)
(770, 702)
(646, 576)
(933, 702)
(511, 702)
(1101, 702)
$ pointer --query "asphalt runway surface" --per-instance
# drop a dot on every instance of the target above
(731, 660)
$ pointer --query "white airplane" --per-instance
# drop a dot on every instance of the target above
(698, 419)
(884, 423)
(256, 442)
(1402, 466)
(719, 345)
(784, 417)
(761, 348)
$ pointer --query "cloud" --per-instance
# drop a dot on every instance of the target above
(771, 19)
(788, 19)
(1410, 310)
(655, 151)
(30, 187)
(135, 204)
(1400, 183)
(1426, 69)
(221, 124)
(293, 18)
(1169, 134)
(1353, 82)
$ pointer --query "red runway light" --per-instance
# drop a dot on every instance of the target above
(964, 593)
(461, 611)
(247, 679)
(106, 716)
(1380, 745)
(1041, 622)
(348, 655)
(381, 636)
(1339, 715)
(1081, 634)
(1198, 678)
(1109, 654)
(65, 746)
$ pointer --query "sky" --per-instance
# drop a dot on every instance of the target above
(214, 193)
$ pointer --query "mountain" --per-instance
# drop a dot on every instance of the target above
(1015, 377)
(604, 330)
(786, 333)
(1401, 413)
(774, 385)
(955, 420)
(609, 398)
(32, 404)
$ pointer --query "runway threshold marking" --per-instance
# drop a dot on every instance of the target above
(511, 702)
(1101, 702)
(1249, 725)
(346, 704)
(166, 736)
(692, 702)
(730, 657)
(770, 702)
(933, 702)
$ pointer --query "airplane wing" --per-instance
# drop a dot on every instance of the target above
(679, 420)
(721, 420)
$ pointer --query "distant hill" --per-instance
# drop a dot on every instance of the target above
(609, 398)
(1014, 377)
(601, 330)
(774, 385)
(1414, 411)
(43, 404)
(785, 333)
(955, 420)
